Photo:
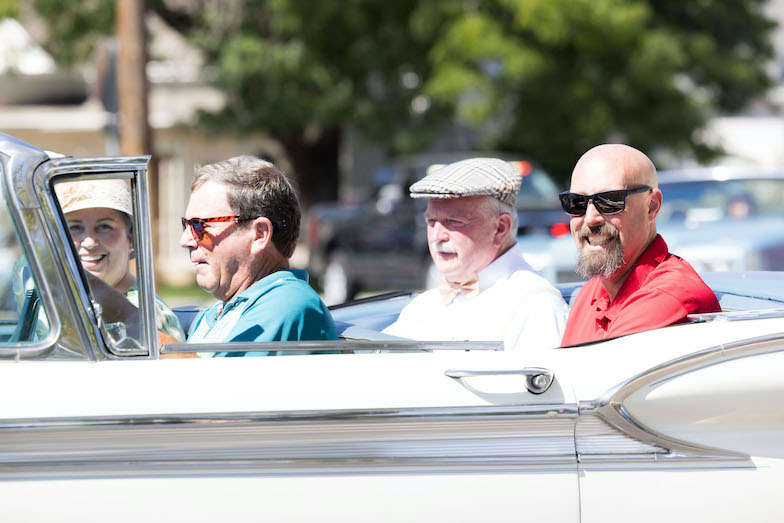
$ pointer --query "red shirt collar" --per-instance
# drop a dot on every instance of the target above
(650, 258)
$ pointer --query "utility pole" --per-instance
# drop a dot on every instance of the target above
(134, 128)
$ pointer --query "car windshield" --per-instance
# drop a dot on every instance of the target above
(695, 202)
(22, 319)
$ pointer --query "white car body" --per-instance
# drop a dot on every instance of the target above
(678, 424)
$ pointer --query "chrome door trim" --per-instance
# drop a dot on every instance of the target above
(305, 442)
(731, 315)
(334, 346)
(610, 406)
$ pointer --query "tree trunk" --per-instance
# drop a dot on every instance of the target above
(315, 162)
(135, 135)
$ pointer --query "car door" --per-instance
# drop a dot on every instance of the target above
(443, 435)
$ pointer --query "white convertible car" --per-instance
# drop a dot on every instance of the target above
(684, 423)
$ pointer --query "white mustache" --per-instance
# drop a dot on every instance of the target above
(446, 247)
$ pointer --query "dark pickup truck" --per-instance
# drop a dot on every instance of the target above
(381, 244)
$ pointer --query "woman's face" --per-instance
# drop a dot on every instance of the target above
(103, 243)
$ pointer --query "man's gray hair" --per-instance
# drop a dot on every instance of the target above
(496, 207)
(257, 188)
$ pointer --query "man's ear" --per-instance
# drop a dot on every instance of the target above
(654, 206)
(503, 224)
(262, 234)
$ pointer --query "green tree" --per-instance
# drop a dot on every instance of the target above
(559, 76)
(302, 71)
(549, 78)
(75, 27)
(9, 8)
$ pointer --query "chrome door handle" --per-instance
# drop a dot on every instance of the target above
(537, 380)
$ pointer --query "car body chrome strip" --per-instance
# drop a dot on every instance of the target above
(292, 442)
(544, 411)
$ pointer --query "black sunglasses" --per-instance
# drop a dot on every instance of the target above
(197, 224)
(606, 202)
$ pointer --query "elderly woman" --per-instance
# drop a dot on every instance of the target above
(98, 214)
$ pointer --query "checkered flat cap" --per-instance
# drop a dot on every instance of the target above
(471, 177)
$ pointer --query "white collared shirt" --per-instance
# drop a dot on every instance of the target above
(514, 305)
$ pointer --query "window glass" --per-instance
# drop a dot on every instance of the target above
(99, 219)
(22, 318)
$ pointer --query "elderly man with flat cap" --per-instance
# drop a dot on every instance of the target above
(488, 292)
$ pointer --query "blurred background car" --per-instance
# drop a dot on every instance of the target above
(716, 218)
(382, 244)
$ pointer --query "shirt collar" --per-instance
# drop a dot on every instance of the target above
(254, 289)
(645, 264)
(269, 280)
(500, 268)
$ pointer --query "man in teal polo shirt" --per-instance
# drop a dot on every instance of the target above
(240, 229)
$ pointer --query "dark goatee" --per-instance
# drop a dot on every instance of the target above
(603, 263)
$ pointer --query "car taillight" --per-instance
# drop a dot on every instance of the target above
(523, 166)
(559, 229)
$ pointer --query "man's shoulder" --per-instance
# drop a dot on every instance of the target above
(675, 272)
(288, 309)
(676, 278)
(531, 281)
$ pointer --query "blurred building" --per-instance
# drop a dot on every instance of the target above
(63, 112)
(757, 136)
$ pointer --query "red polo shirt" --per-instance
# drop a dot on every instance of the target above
(661, 289)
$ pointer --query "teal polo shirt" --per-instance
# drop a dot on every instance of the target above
(280, 307)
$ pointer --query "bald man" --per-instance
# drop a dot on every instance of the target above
(636, 284)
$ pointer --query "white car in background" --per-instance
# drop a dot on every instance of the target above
(682, 423)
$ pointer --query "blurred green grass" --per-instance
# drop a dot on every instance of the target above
(177, 296)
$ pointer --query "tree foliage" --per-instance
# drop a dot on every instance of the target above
(569, 74)
(302, 71)
(74, 27)
(9, 8)
(549, 78)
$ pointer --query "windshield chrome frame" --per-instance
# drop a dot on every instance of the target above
(18, 163)
(27, 175)
(133, 169)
